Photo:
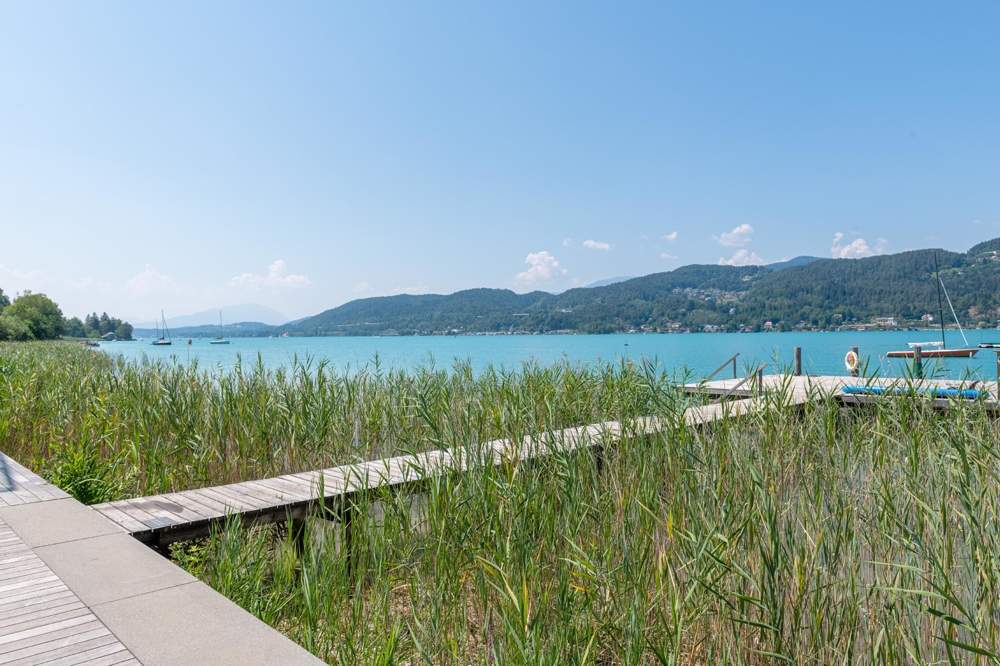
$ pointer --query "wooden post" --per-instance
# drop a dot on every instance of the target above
(855, 371)
(599, 458)
(347, 510)
(998, 375)
(734, 367)
(918, 363)
(298, 534)
(798, 361)
(760, 380)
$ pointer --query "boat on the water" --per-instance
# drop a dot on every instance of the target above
(219, 340)
(163, 337)
(989, 345)
(938, 348)
(934, 352)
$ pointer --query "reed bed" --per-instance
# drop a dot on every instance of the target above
(824, 536)
(816, 535)
(106, 429)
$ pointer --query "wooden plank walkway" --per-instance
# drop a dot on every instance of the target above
(162, 519)
(829, 385)
(19, 485)
(75, 588)
(42, 620)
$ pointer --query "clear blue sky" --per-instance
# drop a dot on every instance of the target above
(193, 155)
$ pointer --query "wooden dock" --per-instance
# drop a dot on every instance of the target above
(76, 588)
(162, 519)
(77, 585)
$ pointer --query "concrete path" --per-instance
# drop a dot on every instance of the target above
(75, 587)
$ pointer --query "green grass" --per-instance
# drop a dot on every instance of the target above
(833, 536)
(105, 429)
(823, 535)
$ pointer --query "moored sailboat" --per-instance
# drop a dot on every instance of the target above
(219, 339)
(163, 338)
(935, 348)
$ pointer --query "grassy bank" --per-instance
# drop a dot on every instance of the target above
(823, 535)
(830, 537)
(105, 429)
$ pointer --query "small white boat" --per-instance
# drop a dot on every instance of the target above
(219, 340)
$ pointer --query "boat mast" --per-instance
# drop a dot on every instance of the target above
(166, 331)
(937, 280)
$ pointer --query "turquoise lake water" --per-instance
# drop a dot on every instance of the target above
(822, 353)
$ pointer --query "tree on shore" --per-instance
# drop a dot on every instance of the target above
(39, 313)
(33, 316)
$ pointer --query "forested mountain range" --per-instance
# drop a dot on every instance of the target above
(805, 292)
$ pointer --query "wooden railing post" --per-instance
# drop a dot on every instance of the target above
(798, 361)
(857, 369)
(760, 380)
(998, 375)
(347, 511)
(734, 366)
(918, 363)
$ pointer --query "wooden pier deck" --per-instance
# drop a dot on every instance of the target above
(162, 519)
(77, 585)
(76, 588)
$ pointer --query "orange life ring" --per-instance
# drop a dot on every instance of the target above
(851, 361)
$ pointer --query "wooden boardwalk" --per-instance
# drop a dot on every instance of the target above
(162, 519)
(42, 620)
(76, 588)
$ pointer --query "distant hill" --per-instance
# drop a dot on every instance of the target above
(792, 263)
(245, 329)
(987, 247)
(804, 291)
(606, 281)
(244, 312)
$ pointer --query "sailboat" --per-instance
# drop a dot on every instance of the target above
(163, 338)
(219, 340)
(938, 348)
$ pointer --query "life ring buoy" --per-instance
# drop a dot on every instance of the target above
(851, 361)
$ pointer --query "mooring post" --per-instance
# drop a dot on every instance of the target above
(760, 380)
(734, 365)
(857, 368)
(798, 361)
(918, 363)
(347, 511)
(297, 527)
(599, 458)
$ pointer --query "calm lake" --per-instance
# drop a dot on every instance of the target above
(822, 353)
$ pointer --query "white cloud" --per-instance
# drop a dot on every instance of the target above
(667, 255)
(597, 245)
(149, 282)
(567, 242)
(671, 237)
(856, 249)
(542, 267)
(739, 236)
(742, 257)
(275, 277)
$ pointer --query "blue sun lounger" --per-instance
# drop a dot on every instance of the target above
(933, 392)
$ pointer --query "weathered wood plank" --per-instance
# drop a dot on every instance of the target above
(73, 645)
